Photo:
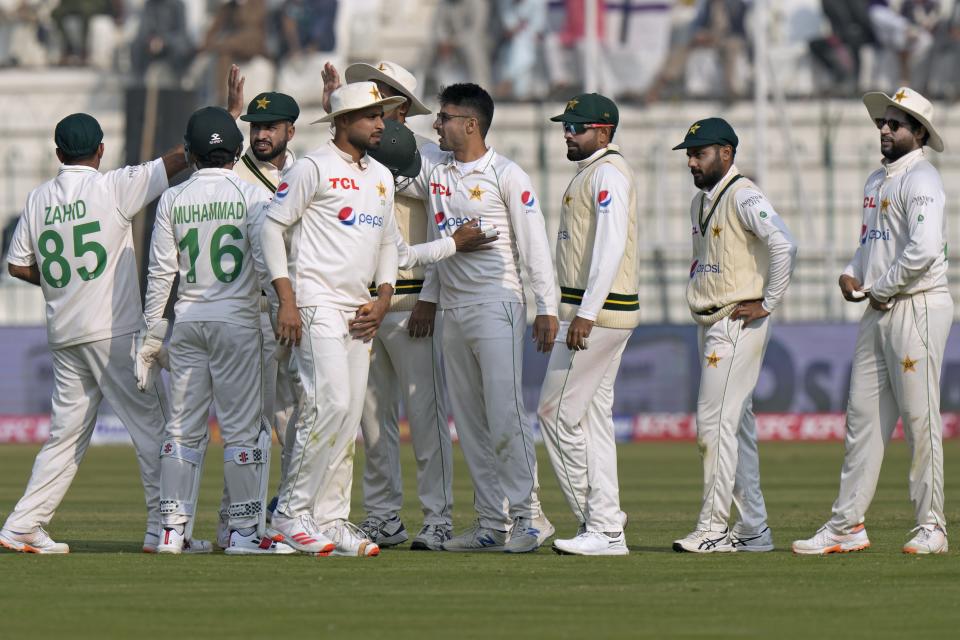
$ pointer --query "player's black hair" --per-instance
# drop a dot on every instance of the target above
(216, 159)
(916, 124)
(473, 97)
(77, 159)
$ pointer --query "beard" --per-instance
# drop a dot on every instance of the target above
(895, 149)
(274, 152)
(366, 142)
(576, 153)
(706, 179)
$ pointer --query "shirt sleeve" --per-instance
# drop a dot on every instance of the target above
(136, 186)
(923, 202)
(610, 240)
(420, 255)
(387, 260)
(164, 265)
(759, 217)
(21, 246)
(530, 235)
(254, 229)
(298, 187)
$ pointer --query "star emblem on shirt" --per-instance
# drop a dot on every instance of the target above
(476, 193)
(908, 364)
(716, 231)
(900, 96)
(376, 94)
(572, 104)
(567, 200)
(884, 205)
(262, 102)
(381, 67)
(694, 128)
(713, 359)
(382, 190)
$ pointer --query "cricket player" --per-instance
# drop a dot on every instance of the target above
(900, 266)
(272, 117)
(347, 239)
(485, 317)
(74, 241)
(743, 258)
(598, 269)
(203, 232)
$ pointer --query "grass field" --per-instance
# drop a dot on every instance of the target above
(106, 588)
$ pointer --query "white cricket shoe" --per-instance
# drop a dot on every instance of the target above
(252, 545)
(545, 527)
(190, 546)
(301, 533)
(701, 541)
(477, 538)
(38, 541)
(825, 541)
(930, 538)
(743, 541)
(350, 540)
(171, 541)
(385, 532)
(432, 537)
(524, 536)
(593, 543)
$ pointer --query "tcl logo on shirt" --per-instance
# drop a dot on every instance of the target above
(438, 189)
(869, 202)
(344, 183)
(348, 217)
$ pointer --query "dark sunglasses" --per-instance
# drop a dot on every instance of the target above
(445, 117)
(893, 124)
(576, 128)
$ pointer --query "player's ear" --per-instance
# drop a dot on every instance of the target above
(291, 129)
(100, 151)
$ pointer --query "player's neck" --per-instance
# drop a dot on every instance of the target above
(472, 151)
(344, 145)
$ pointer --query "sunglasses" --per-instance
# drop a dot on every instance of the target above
(894, 125)
(577, 128)
(445, 117)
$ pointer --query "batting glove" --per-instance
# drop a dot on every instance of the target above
(149, 346)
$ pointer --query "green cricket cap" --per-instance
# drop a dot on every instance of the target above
(272, 107)
(398, 150)
(78, 135)
(212, 128)
(589, 108)
(703, 133)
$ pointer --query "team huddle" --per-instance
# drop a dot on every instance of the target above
(318, 295)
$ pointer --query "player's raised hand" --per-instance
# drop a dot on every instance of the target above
(851, 288)
(422, 319)
(545, 332)
(474, 236)
(331, 82)
(578, 333)
(288, 324)
(235, 91)
(749, 311)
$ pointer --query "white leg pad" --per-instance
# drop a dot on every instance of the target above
(247, 473)
(180, 470)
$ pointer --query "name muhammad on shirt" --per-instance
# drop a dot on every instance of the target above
(206, 211)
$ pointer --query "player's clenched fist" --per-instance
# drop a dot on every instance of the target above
(578, 333)
(851, 289)
(545, 332)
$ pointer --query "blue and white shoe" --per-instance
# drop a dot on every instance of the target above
(524, 537)
(477, 538)
(701, 541)
(755, 542)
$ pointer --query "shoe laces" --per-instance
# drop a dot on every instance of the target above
(372, 525)
(42, 537)
(348, 528)
(924, 531)
(524, 525)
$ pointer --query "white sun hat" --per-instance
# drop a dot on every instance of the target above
(392, 74)
(356, 96)
(908, 101)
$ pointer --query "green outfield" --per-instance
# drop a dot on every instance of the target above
(106, 588)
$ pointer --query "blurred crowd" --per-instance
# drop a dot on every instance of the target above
(645, 50)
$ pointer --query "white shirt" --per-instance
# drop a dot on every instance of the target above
(205, 232)
(347, 236)
(760, 218)
(76, 228)
(903, 236)
(498, 192)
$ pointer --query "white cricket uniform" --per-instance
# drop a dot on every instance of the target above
(204, 232)
(409, 370)
(76, 229)
(731, 358)
(576, 399)
(346, 238)
(897, 359)
(484, 315)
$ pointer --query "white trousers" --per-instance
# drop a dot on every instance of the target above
(731, 357)
(576, 416)
(83, 375)
(896, 373)
(483, 358)
(409, 370)
(333, 370)
(218, 363)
